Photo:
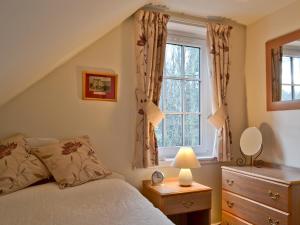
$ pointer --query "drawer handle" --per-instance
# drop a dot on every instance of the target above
(230, 182)
(188, 204)
(229, 204)
(273, 196)
(273, 222)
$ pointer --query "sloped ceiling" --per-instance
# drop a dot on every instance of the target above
(38, 35)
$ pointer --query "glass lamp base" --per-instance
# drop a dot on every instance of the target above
(185, 177)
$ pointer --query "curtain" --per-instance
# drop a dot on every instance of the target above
(276, 61)
(151, 38)
(218, 51)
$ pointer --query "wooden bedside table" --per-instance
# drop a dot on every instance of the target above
(183, 205)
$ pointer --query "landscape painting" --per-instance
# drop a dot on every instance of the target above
(99, 86)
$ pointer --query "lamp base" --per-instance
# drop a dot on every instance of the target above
(185, 178)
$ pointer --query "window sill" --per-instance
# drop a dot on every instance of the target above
(203, 161)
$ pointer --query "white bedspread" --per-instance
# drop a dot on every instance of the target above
(101, 202)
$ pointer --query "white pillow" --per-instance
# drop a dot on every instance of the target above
(115, 175)
(36, 142)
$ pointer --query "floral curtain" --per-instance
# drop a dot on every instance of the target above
(276, 61)
(151, 37)
(218, 50)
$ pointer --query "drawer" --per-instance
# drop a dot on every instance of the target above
(266, 192)
(229, 219)
(252, 211)
(184, 203)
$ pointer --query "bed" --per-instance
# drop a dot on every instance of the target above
(110, 201)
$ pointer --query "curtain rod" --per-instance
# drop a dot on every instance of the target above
(183, 18)
(178, 17)
(185, 22)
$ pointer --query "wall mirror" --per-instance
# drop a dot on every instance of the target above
(283, 72)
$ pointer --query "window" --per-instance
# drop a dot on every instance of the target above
(290, 78)
(185, 98)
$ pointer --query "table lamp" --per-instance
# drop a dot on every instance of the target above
(186, 160)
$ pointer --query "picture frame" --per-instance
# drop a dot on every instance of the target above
(99, 86)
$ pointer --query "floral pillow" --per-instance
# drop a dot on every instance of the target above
(72, 162)
(18, 167)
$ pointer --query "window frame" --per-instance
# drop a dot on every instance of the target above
(292, 85)
(188, 40)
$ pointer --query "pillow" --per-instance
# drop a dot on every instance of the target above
(35, 142)
(72, 162)
(18, 167)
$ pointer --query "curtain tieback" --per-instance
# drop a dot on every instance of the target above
(154, 114)
(146, 107)
(219, 117)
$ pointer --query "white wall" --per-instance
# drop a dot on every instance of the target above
(53, 107)
(281, 130)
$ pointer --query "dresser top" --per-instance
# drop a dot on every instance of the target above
(283, 174)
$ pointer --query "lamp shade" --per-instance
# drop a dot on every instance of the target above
(186, 158)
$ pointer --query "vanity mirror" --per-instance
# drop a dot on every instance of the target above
(283, 72)
(251, 147)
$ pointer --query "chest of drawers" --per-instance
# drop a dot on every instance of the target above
(260, 196)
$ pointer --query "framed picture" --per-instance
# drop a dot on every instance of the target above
(99, 86)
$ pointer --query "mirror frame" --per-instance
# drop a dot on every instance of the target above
(280, 105)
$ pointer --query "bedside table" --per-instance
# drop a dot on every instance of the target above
(183, 205)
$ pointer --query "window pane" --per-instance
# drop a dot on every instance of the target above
(161, 98)
(191, 61)
(286, 93)
(173, 60)
(192, 130)
(173, 136)
(159, 134)
(192, 96)
(297, 92)
(173, 96)
(296, 67)
(286, 70)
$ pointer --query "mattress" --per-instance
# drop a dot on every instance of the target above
(102, 202)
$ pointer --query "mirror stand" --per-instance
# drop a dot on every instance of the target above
(242, 161)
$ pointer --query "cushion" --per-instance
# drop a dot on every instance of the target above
(18, 167)
(72, 162)
(35, 142)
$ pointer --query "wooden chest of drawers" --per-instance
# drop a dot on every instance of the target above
(260, 196)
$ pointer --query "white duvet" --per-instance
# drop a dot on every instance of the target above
(101, 202)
